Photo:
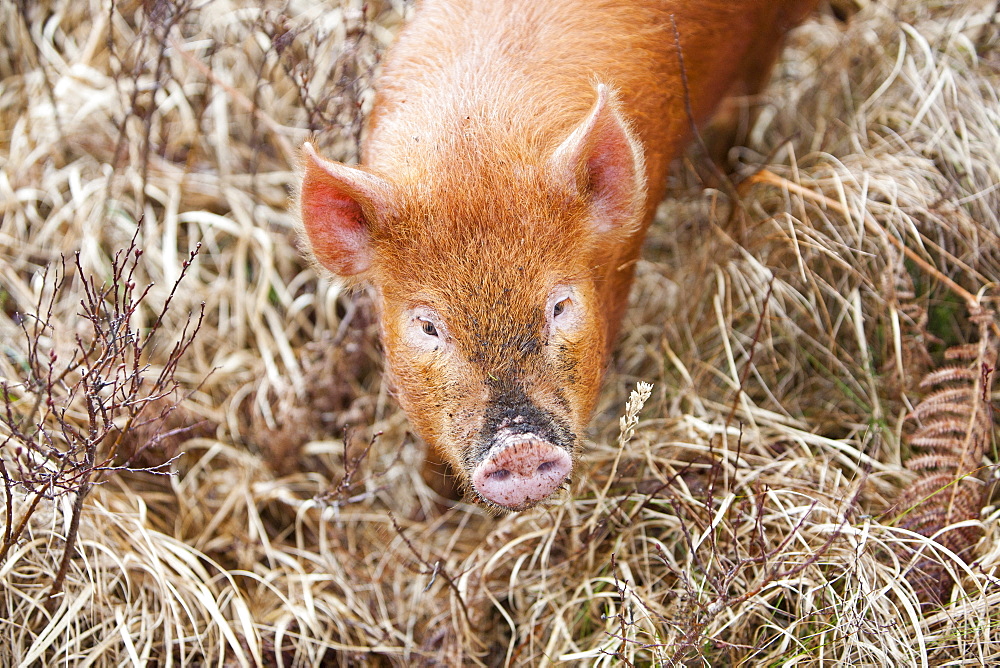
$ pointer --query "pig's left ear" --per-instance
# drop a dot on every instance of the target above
(603, 162)
(339, 206)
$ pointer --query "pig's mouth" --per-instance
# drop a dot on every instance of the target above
(519, 470)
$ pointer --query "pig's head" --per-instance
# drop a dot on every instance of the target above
(491, 264)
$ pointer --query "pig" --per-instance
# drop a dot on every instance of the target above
(515, 154)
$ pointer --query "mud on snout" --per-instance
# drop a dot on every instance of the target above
(523, 453)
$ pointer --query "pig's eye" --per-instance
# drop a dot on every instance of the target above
(565, 312)
(428, 327)
(424, 329)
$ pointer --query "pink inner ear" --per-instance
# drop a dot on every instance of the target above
(334, 203)
(603, 152)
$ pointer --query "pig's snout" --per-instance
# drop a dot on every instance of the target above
(521, 470)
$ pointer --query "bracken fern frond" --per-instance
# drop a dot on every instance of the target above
(953, 426)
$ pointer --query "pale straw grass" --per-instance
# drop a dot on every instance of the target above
(733, 516)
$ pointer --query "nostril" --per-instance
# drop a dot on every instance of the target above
(500, 474)
(545, 467)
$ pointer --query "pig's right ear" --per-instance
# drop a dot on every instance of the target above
(603, 161)
(338, 205)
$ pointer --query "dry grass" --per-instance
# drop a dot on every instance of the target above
(742, 516)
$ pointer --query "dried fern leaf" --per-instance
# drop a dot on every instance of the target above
(950, 374)
(942, 425)
(934, 443)
(933, 461)
(922, 411)
(924, 488)
(967, 351)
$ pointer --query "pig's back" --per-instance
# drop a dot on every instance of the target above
(525, 71)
